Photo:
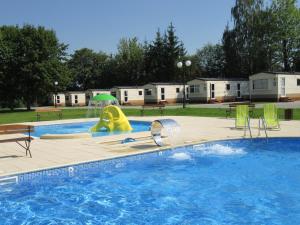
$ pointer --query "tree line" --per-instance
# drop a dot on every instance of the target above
(265, 36)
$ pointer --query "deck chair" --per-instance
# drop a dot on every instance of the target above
(271, 116)
(242, 116)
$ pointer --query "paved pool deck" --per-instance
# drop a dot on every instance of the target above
(56, 153)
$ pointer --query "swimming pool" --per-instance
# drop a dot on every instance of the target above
(83, 127)
(226, 182)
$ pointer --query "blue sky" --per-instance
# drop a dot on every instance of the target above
(99, 24)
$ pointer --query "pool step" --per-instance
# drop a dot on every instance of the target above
(8, 180)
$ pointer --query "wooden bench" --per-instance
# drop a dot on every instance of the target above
(47, 110)
(153, 106)
(16, 129)
(232, 108)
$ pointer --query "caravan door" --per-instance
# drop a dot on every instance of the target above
(282, 87)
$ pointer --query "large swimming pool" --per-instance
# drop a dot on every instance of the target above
(84, 127)
(228, 182)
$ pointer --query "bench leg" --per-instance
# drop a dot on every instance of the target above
(26, 147)
(38, 117)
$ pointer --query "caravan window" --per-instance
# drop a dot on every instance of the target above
(298, 82)
(194, 88)
(148, 91)
(261, 84)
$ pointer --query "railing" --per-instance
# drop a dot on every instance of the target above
(262, 121)
(248, 126)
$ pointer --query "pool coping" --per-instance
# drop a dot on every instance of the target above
(159, 149)
(196, 130)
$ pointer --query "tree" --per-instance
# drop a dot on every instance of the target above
(41, 62)
(155, 58)
(130, 61)
(210, 60)
(174, 51)
(286, 36)
(87, 68)
(9, 64)
(263, 37)
(161, 56)
(32, 59)
(232, 59)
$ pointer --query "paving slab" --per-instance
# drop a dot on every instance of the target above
(56, 153)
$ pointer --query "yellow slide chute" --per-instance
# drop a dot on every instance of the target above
(113, 119)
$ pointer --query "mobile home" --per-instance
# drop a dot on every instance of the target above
(218, 89)
(164, 92)
(58, 99)
(130, 95)
(75, 98)
(275, 86)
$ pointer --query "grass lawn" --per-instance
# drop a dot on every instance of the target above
(30, 116)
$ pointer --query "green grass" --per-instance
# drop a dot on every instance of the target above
(30, 116)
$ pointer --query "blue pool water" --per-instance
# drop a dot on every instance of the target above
(83, 127)
(229, 182)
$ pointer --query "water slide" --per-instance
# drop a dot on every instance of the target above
(112, 119)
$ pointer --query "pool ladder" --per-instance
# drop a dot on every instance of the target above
(262, 122)
(247, 127)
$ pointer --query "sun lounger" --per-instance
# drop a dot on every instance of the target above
(271, 116)
(242, 116)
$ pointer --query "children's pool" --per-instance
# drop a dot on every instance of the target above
(228, 182)
(83, 127)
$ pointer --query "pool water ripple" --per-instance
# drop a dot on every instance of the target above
(259, 185)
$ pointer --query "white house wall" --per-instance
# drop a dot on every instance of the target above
(270, 93)
(292, 89)
(133, 98)
(170, 93)
(60, 99)
(220, 91)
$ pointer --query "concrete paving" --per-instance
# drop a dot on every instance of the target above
(56, 153)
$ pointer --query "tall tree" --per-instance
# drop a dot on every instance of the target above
(232, 59)
(155, 58)
(87, 69)
(174, 51)
(210, 60)
(286, 36)
(9, 65)
(130, 61)
(263, 37)
(41, 59)
(162, 54)
(32, 60)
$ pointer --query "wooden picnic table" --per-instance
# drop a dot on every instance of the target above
(39, 111)
(15, 129)
(232, 108)
(159, 106)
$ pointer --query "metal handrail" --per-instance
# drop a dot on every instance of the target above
(248, 126)
(263, 122)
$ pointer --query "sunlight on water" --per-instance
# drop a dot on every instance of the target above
(218, 149)
(181, 156)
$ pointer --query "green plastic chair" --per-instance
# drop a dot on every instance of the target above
(271, 116)
(242, 115)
